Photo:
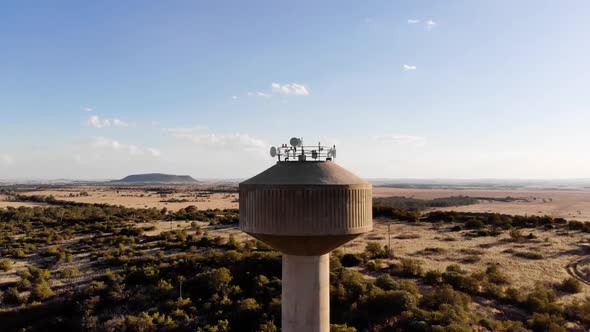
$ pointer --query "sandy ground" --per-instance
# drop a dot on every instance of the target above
(568, 204)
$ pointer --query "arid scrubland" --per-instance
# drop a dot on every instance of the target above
(69, 264)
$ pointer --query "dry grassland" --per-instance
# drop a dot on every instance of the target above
(568, 204)
(142, 198)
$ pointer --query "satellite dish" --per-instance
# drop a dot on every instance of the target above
(295, 142)
(332, 153)
(273, 151)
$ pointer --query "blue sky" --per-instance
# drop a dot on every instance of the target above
(405, 89)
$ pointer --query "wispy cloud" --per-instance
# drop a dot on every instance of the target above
(6, 159)
(203, 137)
(413, 21)
(400, 139)
(88, 109)
(234, 97)
(120, 123)
(103, 143)
(430, 24)
(409, 67)
(98, 122)
(259, 94)
(290, 89)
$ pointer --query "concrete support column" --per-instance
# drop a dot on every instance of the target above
(305, 301)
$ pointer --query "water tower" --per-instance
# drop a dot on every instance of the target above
(305, 206)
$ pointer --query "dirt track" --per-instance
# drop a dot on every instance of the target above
(572, 269)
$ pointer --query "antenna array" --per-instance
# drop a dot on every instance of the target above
(296, 151)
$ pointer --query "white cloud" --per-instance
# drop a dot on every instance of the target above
(413, 21)
(120, 123)
(409, 67)
(103, 143)
(98, 122)
(259, 94)
(430, 24)
(203, 137)
(154, 152)
(234, 97)
(401, 139)
(6, 159)
(290, 89)
(88, 109)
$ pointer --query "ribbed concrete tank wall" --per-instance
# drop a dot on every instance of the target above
(305, 210)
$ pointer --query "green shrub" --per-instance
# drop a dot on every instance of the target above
(516, 235)
(474, 224)
(411, 267)
(579, 310)
(19, 253)
(445, 295)
(270, 326)
(40, 291)
(386, 282)
(571, 285)
(433, 277)
(374, 265)
(528, 255)
(382, 304)
(341, 328)
(546, 322)
(350, 260)
(335, 264)
(69, 272)
(470, 259)
(495, 276)
(375, 250)
(11, 296)
(543, 300)
(514, 296)
(5, 265)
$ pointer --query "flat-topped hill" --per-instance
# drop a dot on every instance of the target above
(157, 178)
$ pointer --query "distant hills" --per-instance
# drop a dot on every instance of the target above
(157, 178)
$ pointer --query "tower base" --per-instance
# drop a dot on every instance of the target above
(305, 299)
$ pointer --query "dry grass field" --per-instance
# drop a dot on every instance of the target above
(438, 247)
(568, 204)
(142, 197)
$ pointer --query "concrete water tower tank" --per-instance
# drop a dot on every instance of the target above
(305, 206)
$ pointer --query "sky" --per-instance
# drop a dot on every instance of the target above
(404, 89)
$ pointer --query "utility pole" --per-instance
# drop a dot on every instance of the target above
(389, 237)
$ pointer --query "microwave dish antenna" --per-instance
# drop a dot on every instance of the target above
(295, 142)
